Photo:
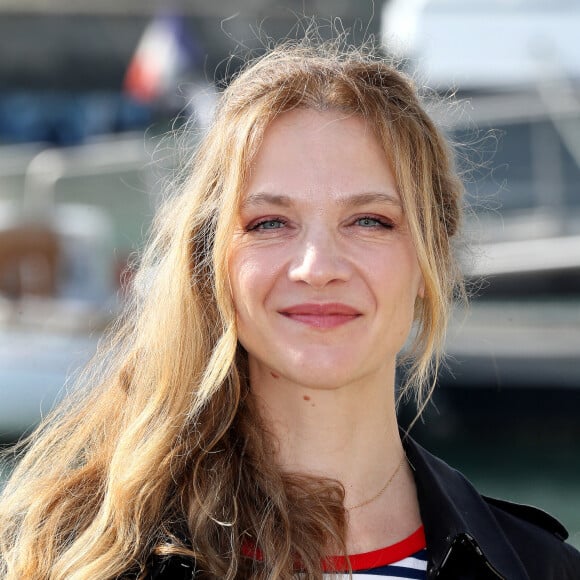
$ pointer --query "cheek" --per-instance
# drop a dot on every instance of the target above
(238, 281)
(398, 274)
(250, 279)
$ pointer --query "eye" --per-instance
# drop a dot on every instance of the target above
(268, 224)
(372, 222)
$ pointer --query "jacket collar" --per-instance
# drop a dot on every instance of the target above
(452, 510)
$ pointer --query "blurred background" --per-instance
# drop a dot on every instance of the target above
(89, 92)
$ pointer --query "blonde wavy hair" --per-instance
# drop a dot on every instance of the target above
(160, 449)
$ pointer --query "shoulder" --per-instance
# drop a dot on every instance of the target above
(529, 514)
(538, 538)
(462, 527)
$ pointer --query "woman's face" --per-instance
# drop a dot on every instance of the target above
(323, 270)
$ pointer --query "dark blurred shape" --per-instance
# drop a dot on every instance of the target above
(67, 118)
(29, 256)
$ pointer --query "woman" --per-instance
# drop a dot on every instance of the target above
(242, 423)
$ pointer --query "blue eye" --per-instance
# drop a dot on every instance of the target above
(271, 224)
(371, 222)
(367, 221)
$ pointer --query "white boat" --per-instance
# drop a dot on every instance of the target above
(518, 123)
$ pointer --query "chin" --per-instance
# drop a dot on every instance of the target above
(317, 373)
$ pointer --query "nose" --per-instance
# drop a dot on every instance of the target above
(318, 261)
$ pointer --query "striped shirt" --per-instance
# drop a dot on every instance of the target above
(406, 559)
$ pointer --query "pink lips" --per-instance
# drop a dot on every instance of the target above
(321, 315)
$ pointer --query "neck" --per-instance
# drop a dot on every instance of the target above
(348, 433)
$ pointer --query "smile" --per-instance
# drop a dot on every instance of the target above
(321, 316)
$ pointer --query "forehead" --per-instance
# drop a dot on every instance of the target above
(308, 152)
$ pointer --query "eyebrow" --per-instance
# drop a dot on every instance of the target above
(352, 200)
(264, 198)
(367, 197)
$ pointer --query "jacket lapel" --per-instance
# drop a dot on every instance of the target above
(457, 519)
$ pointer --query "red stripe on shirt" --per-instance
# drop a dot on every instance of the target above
(381, 557)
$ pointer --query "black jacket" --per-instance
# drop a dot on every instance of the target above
(469, 536)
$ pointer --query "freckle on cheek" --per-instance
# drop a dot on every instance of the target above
(274, 375)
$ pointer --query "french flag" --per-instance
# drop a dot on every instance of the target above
(162, 56)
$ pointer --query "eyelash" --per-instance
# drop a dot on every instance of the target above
(381, 222)
(258, 225)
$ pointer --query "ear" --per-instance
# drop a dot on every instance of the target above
(421, 289)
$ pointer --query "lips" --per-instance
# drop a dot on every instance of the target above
(321, 316)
